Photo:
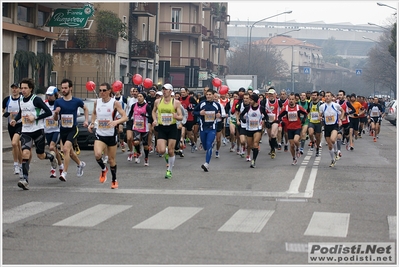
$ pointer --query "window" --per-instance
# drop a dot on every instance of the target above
(41, 18)
(176, 18)
(23, 44)
(24, 14)
(6, 10)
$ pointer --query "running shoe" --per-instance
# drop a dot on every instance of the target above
(205, 167)
(216, 154)
(63, 176)
(61, 170)
(137, 159)
(23, 183)
(298, 154)
(193, 148)
(52, 173)
(181, 153)
(352, 148)
(79, 171)
(114, 184)
(311, 148)
(146, 162)
(168, 174)
(123, 146)
(317, 152)
(337, 157)
(347, 146)
(103, 176)
(130, 157)
(374, 139)
(294, 162)
(16, 169)
(248, 158)
(339, 153)
(279, 147)
(332, 163)
(273, 154)
(285, 148)
(54, 161)
(301, 150)
(253, 164)
(377, 136)
(310, 144)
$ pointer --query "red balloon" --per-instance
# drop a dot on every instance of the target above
(117, 86)
(224, 89)
(90, 86)
(147, 83)
(137, 79)
(217, 82)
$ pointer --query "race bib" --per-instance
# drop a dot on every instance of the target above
(315, 116)
(292, 116)
(253, 124)
(26, 121)
(138, 123)
(166, 118)
(374, 114)
(67, 120)
(272, 117)
(50, 122)
(209, 116)
(330, 119)
(103, 124)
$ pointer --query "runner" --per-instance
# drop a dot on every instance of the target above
(129, 124)
(314, 122)
(123, 100)
(332, 113)
(208, 112)
(305, 104)
(11, 108)
(375, 114)
(354, 120)
(252, 117)
(141, 115)
(32, 111)
(66, 109)
(219, 123)
(282, 132)
(292, 111)
(52, 130)
(272, 107)
(189, 103)
(242, 127)
(165, 113)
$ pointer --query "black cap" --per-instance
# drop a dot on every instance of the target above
(14, 85)
(254, 97)
(242, 89)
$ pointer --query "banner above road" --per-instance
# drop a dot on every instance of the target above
(72, 17)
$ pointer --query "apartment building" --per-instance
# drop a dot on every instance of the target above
(182, 43)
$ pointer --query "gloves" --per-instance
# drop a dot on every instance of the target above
(6, 114)
(244, 121)
(356, 115)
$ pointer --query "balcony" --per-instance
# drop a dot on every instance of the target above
(144, 9)
(181, 28)
(208, 36)
(85, 42)
(143, 49)
(181, 62)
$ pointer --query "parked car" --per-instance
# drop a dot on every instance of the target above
(390, 112)
(85, 139)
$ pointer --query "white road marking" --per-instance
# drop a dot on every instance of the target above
(296, 182)
(392, 227)
(29, 209)
(247, 221)
(93, 216)
(328, 224)
(168, 219)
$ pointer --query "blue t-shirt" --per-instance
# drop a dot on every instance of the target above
(69, 111)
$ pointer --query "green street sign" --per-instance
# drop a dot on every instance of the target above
(72, 17)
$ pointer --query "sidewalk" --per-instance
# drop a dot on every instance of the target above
(6, 138)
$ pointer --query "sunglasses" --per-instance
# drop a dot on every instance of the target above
(104, 90)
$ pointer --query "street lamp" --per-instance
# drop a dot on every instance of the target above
(364, 37)
(373, 24)
(250, 35)
(381, 4)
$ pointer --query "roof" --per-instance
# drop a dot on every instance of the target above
(286, 41)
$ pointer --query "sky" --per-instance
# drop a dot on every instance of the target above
(355, 12)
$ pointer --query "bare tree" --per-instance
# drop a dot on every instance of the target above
(381, 65)
(266, 63)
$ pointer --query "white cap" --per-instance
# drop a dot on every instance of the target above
(51, 90)
(168, 86)
(256, 92)
(159, 93)
(271, 91)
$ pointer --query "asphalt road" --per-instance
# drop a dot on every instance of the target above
(231, 215)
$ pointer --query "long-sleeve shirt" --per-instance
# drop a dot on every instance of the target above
(293, 115)
(209, 120)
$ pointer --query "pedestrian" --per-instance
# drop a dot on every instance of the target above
(10, 110)
(208, 112)
(106, 134)
(165, 114)
(66, 109)
(33, 111)
(52, 130)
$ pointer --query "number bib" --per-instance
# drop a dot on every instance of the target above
(253, 124)
(374, 114)
(50, 122)
(330, 119)
(26, 121)
(272, 117)
(138, 123)
(314, 116)
(209, 116)
(67, 120)
(103, 124)
(292, 116)
(166, 118)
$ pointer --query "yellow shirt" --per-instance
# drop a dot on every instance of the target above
(165, 113)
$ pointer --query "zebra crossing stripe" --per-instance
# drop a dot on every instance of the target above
(93, 216)
(26, 210)
(168, 219)
(392, 227)
(328, 224)
(247, 221)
